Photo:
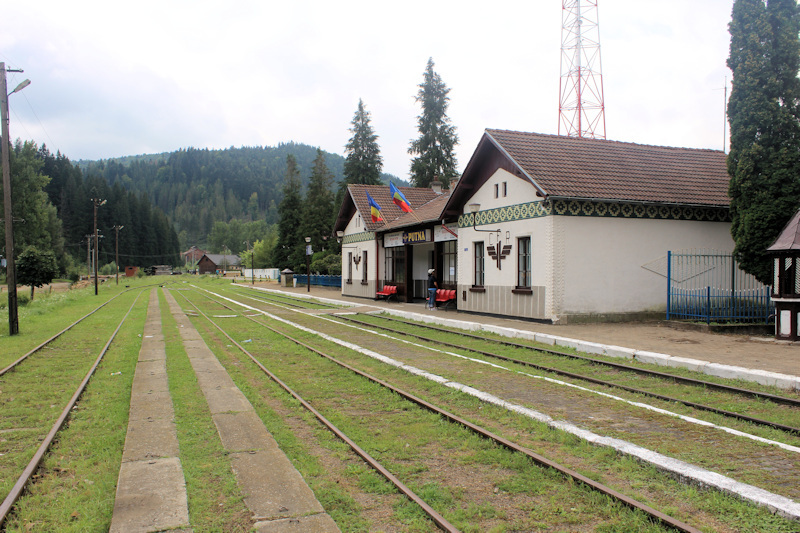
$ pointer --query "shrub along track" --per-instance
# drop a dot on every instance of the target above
(32, 387)
(613, 417)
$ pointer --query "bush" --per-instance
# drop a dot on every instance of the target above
(327, 264)
(109, 269)
(23, 299)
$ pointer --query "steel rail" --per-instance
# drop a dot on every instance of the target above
(293, 299)
(535, 457)
(33, 465)
(54, 337)
(57, 335)
(783, 400)
(701, 407)
(438, 519)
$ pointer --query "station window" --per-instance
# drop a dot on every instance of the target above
(479, 263)
(364, 271)
(395, 265)
(449, 255)
(349, 267)
(524, 263)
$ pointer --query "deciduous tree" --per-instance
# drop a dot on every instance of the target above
(36, 267)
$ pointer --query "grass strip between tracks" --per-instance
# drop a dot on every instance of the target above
(215, 501)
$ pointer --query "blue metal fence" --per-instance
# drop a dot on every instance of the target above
(708, 285)
(320, 281)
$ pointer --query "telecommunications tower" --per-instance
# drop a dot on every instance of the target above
(581, 111)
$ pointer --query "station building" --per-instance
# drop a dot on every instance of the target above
(543, 227)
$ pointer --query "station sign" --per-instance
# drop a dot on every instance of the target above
(399, 238)
(445, 233)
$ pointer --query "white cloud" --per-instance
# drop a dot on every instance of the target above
(112, 79)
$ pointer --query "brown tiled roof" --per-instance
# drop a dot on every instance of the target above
(417, 197)
(789, 238)
(592, 168)
(428, 212)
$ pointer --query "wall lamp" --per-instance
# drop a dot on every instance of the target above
(474, 208)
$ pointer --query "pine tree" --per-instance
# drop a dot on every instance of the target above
(290, 248)
(318, 207)
(437, 137)
(764, 158)
(363, 163)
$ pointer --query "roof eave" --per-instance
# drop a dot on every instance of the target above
(524, 172)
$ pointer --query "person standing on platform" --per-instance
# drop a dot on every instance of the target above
(433, 285)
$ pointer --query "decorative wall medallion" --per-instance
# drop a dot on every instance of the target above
(505, 252)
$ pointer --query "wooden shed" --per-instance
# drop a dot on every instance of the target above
(786, 282)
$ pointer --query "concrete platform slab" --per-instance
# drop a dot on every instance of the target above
(271, 485)
(320, 523)
(151, 492)
(243, 432)
(150, 438)
(149, 405)
(226, 400)
(151, 496)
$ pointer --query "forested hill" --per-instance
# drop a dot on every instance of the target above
(197, 187)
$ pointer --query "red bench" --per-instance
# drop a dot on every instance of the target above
(446, 297)
(387, 292)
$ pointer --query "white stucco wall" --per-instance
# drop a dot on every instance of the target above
(581, 265)
(357, 287)
(497, 296)
(603, 260)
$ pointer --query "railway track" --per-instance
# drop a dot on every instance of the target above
(652, 432)
(655, 515)
(781, 400)
(412, 330)
(375, 388)
(71, 353)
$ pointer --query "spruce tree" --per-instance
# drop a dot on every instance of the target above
(290, 248)
(318, 206)
(363, 163)
(764, 158)
(437, 140)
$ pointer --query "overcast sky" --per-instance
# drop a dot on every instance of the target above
(111, 79)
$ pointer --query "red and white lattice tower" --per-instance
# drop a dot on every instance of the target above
(581, 111)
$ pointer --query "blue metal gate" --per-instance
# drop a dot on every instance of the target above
(708, 285)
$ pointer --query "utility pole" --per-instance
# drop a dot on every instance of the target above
(11, 271)
(96, 202)
(116, 246)
(88, 256)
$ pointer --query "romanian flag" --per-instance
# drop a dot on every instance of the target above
(399, 199)
(374, 208)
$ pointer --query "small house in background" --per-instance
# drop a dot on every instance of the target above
(131, 271)
(219, 263)
(192, 255)
(786, 280)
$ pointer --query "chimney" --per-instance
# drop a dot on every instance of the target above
(436, 185)
(453, 183)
